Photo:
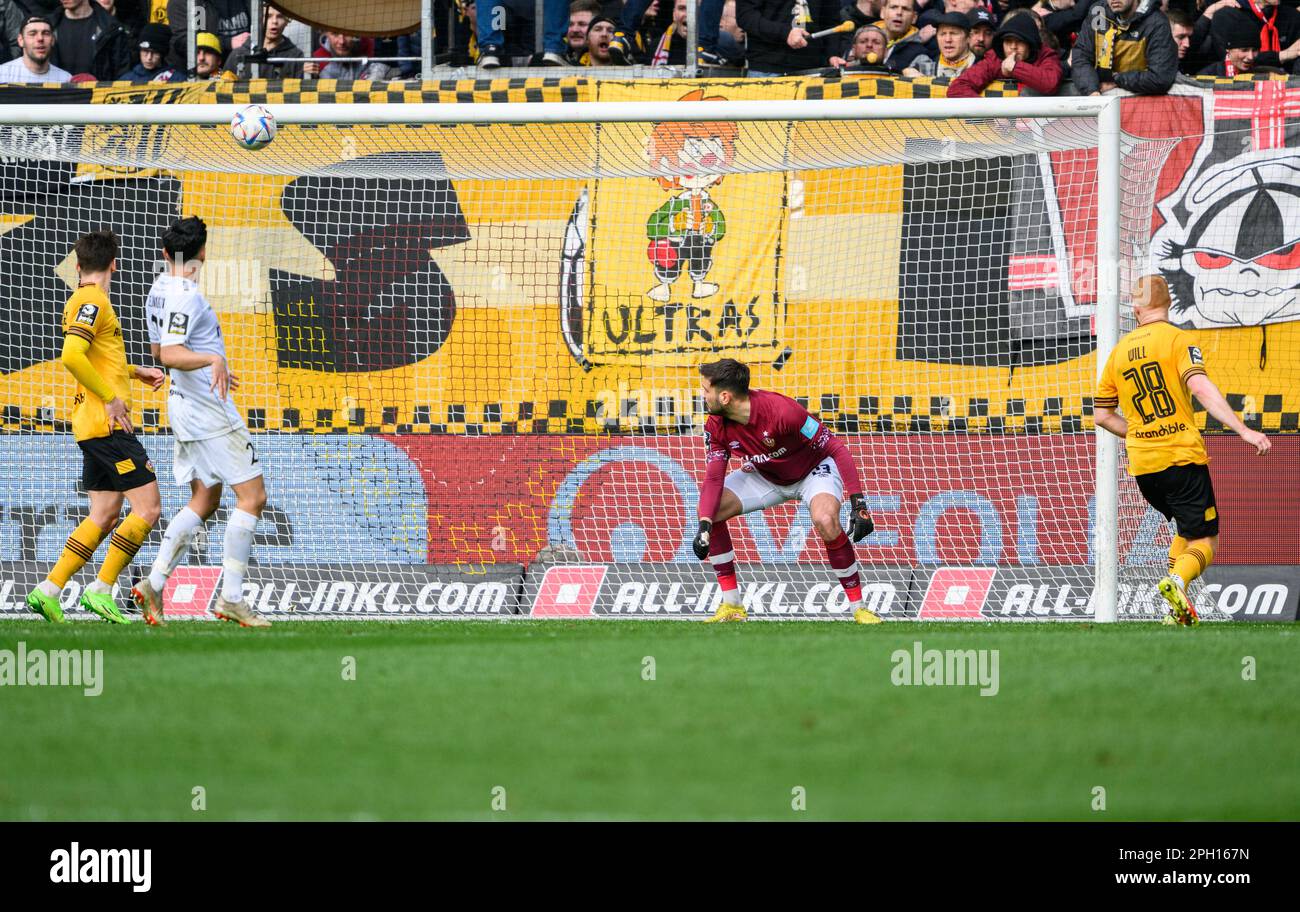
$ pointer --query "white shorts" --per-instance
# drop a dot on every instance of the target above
(228, 459)
(757, 493)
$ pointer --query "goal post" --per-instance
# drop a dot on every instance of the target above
(534, 217)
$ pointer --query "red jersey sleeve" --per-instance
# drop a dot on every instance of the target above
(716, 456)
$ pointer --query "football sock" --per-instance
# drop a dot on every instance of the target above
(175, 542)
(1192, 563)
(238, 545)
(723, 557)
(1176, 549)
(124, 542)
(844, 561)
(79, 548)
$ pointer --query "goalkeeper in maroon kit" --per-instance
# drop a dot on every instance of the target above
(787, 453)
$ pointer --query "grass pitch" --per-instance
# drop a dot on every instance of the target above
(560, 715)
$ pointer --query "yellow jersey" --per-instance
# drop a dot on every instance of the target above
(1146, 375)
(89, 315)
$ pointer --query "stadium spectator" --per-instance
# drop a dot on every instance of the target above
(778, 33)
(1278, 26)
(599, 33)
(89, 40)
(581, 12)
(1240, 37)
(861, 13)
(11, 21)
(1018, 53)
(274, 44)
(1134, 50)
(669, 49)
(464, 50)
(207, 61)
(36, 45)
(1183, 29)
(492, 37)
(898, 19)
(708, 21)
(868, 48)
(982, 26)
(336, 45)
(952, 32)
(731, 37)
(1064, 19)
(227, 19)
(152, 47)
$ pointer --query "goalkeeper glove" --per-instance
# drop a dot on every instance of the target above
(860, 524)
(701, 543)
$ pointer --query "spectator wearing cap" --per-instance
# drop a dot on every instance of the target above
(898, 19)
(207, 57)
(982, 27)
(1240, 36)
(1129, 46)
(36, 45)
(89, 40)
(1018, 53)
(599, 35)
(861, 13)
(11, 20)
(335, 45)
(952, 33)
(1278, 27)
(867, 50)
(779, 33)
(274, 44)
(152, 45)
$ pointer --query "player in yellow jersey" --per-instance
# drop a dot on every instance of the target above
(1152, 374)
(115, 465)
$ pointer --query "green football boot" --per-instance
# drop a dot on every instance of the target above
(47, 606)
(102, 604)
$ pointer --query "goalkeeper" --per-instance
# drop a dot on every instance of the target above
(787, 454)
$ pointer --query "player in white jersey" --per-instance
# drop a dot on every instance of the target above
(213, 448)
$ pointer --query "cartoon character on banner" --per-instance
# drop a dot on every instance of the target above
(1230, 243)
(684, 230)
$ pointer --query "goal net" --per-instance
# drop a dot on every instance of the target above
(469, 351)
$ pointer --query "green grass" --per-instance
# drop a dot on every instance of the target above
(559, 715)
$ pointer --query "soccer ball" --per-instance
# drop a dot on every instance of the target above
(253, 127)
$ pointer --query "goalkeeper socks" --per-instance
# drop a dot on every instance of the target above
(723, 557)
(122, 546)
(175, 542)
(1176, 549)
(77, 550)
(844, 561)
(1192, 562)
(239, 544)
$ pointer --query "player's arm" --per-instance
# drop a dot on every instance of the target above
(150, 375)
(75, 346)
(174, 353)
(716, 457)
(821, 439)
(1106, 401)
(1203, 388)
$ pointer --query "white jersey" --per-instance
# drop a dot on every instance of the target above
(178, 314)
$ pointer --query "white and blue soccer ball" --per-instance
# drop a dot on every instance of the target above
(253, 127)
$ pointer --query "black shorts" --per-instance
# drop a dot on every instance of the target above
(1183, 493)
(117, 462)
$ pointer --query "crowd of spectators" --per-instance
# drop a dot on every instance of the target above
(1045, 46)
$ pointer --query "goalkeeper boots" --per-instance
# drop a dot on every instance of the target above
(727, 612)
(866, 616)
(150, 602)
(241, 613)
(1179, 607)
(102, 604)
(47, 606)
